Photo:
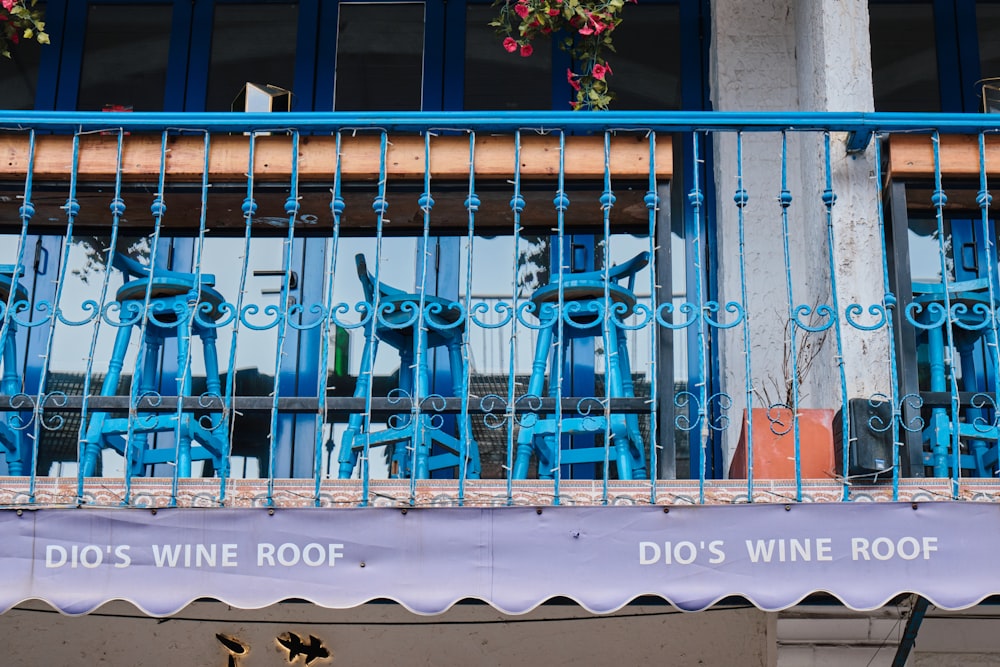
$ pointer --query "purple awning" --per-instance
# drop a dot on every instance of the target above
(513, 558)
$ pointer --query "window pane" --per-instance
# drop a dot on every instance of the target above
(380, 57)
(125, 57)
(904, 57)
(988, 26)
(647, 65)
(251, 43)
(495, 79)
(19, 75)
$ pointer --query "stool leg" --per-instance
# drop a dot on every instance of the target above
(95, 430)
(616, 389)
(421, 432)
(402, 452)
(468, 454)
(11, 385)
(147, 380)
(348, 456)
(213, 387)
(183, 390)
(940, 421)
(536, 384)
(631, 420)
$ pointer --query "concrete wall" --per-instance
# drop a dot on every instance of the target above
(386, 634)
(788, 55)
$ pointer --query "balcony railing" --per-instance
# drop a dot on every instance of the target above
(780, 262)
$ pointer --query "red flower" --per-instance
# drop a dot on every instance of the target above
(572, 79)
(554, 12)
(526, 50)
(521, 10)
(510, 44)
(598, 71)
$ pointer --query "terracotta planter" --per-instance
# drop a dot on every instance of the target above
(774, 453)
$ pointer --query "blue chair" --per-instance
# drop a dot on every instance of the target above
(583, 298)
(414, 439)
(971, 340)
(171, 308)
(11, 436)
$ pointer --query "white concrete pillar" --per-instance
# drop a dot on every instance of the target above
(788, 55)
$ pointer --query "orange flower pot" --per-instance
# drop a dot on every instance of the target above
(774, 445)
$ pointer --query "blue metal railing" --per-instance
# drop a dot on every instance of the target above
(650, 406)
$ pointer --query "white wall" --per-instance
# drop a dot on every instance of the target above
(788, 55)
(386, 634)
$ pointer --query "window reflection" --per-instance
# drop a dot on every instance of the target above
(251, 43)
(904, 57)
(125, 57)
(380, 55)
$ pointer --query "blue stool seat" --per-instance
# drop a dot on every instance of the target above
(11, 434)
(414, 440)
(171, 314)
(971, 315)
(584, 296)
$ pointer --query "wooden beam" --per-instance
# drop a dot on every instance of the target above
(911, 156)
(229, 157)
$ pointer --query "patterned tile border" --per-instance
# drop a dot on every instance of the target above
(157, 492)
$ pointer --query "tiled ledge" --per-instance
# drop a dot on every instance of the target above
(160, 492)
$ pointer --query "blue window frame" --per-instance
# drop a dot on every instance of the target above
(928, 55)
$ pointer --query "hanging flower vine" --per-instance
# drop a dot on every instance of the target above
(586, 25)
(20, 19)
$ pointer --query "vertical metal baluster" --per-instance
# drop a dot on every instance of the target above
(888, 306)
(609, 332)
(557, 372)
(652, 201)
(248, 209)
(741, 198)
(72, 208)
(421, 435)
(26, 212)
(516, 206)
(472, 205)
(184, 372)
(696, 197)
(785, 200)
(985, 199)
(336, 210)
(938, 200)
(117, 208)
(157, 209)
(284, 313)
(829, 201)
(380, 206)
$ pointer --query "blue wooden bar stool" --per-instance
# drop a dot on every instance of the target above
(171, 306)
(11, 437)
(394, 324)
(583, 300)
(976, 424)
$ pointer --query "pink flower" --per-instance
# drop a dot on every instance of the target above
(586, 30)
(510, 44)
(552, 12)
(9, 4)
(598, 71)
(572, 79)
(521, 10)
(526, 50)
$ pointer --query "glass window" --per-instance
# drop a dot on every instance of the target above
(125, 57)
(380, 56)
(904, 57)
(495, 79)
(251, 43)
(19, 76)
(647, 64)
(988, 27)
